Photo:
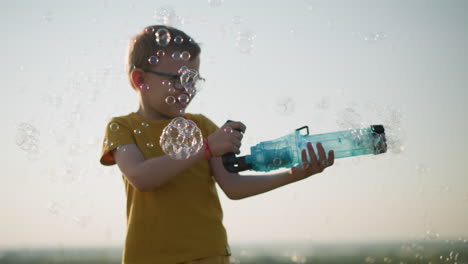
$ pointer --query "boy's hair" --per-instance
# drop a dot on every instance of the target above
(144, 45)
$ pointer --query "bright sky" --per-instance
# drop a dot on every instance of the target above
(398, 63)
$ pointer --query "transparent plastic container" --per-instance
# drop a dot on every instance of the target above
(285, 152)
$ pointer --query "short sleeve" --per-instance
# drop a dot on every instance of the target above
(208, 125)
(118, 133)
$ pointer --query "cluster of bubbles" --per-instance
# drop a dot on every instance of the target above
(431, 235)
(58, 210)
(421, 253)
(166, 15)
(244, 41)
(350, 119)
(27, 138)
(243, 38)
(181, 139)
(452, 257)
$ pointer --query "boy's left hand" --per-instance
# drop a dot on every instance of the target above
(314, 166)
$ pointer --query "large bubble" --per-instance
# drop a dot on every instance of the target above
(163, 37)
(191, 81)
(245, 41)
(27, 138)
(181, 139)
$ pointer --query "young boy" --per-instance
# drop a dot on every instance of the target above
(173, 210)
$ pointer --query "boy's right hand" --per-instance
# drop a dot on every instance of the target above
(226, 139)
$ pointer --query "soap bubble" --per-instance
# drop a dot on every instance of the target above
(121, 148)
(54, 208)
(163, 37)
(245, 41)
(167, 83)
(27, 137)
(431, 235)
(182, 69)
(181, 139)
(178, 122)
(185, 55)
(48, 16)
(153, 60)
(170, 100)
(349, 118)
(114, 126)
(237, 20)
(323, 104)
(199, 85)
(149, 30)
(178, 39)
(160, 53)
(370, 37)
(228, 129)
(144, 87)
(189, 78)
(167, 16)
(277, 162)
(423, 168)
(183, 98)
(137, 131)
(285, 106)
(215, 3)
(176, 55)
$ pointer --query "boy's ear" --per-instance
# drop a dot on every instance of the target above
(137, 77)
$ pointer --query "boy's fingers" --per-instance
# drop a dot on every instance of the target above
(313, 158)
(331, 157)
(304, 157)
(321, 151)
(236, 142)
(237, 126)
(237, 134)
(236, 150)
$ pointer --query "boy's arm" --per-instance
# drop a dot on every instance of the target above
(237, 187)
(146, 175)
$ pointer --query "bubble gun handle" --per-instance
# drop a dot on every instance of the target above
(285, 152)
(233, 163)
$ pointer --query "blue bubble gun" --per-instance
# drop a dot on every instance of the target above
(285, 152)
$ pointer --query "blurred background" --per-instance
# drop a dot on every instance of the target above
(275, 66)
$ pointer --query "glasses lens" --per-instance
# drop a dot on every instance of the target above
(200, 84)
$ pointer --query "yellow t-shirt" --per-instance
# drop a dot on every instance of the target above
(179, 221)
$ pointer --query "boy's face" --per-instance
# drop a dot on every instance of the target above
(158, 99)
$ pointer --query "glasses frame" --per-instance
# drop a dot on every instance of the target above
(176, 77)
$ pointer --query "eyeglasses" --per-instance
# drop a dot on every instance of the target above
(191, 80)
